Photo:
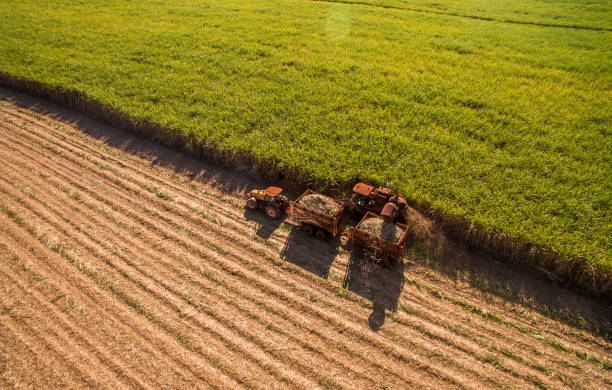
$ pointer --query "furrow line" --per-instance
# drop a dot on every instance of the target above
(103, 281)
(41, 350)
(21, 368)
(150, 255)
(62, 328)
(123, 321)
(33, 336)
(97, 249)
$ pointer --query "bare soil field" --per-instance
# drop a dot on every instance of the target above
(126, 264)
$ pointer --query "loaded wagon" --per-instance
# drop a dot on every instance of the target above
(380, 240)
(314, 220)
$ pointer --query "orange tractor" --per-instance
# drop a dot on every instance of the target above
(380, 201)
(269, 199)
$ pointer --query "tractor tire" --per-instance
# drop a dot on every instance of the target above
(273, 212)
(321, 234)
(308, 229)
(252, 204)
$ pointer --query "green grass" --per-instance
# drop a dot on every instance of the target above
(505, 124)
(595, 15)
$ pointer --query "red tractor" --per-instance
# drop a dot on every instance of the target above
(269, 199)
(380, 201)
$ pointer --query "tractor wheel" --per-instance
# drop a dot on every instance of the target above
(273, 212)
(321, 234)
(252, 203)
(308, 229)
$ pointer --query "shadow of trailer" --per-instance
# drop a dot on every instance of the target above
(376, 247)
(314, 222)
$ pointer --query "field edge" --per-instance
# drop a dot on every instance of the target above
(576, 273)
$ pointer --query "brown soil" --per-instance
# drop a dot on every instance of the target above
(125, 264)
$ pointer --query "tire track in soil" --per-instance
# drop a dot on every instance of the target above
(434, 338)
(179, 217)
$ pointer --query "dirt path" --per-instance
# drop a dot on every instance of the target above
(123, 263)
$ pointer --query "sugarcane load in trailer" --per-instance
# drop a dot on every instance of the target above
(380, 240)
(315, 213)
(321, 220)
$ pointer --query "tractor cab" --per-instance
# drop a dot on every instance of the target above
(361, 194)
(269, 199)
(379, 200)
(266, 195)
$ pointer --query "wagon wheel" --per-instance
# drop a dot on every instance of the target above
(273, 212)
(308, 229)
(321, 234)
(252, 203)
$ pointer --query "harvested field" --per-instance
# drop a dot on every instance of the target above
(320, 203)
(126, 265)
(378, 227)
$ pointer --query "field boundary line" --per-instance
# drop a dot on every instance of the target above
(153, 197)
(571, 272)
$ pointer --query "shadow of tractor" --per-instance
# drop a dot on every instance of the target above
(380, 284)
(265, 226)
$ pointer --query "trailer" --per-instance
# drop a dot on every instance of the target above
(376, 247)
(314, 222)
